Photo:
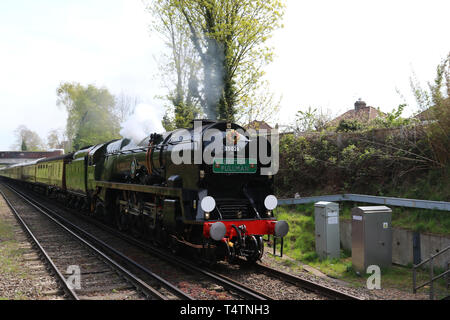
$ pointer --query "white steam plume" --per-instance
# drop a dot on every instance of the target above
(145, 120)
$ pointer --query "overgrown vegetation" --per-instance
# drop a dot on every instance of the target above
(300, 241)
(421, 220)
(92, 114)
(389, 155)
(378, 162)
(217, 51)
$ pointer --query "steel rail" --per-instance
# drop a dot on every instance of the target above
(307, 284)
(49, 260)
(140, 284)
(225, 281)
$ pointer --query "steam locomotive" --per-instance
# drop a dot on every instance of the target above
(200, 188)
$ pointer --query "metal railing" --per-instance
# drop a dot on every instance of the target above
(399, 202)
(432, 277)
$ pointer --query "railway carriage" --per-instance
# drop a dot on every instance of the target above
(15, 172)
(29, 172)
(50, 173)
(76, 174)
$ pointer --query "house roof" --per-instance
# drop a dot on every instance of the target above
(431, 113)
(364, 114)
(258, 125)
(361, 112)
(426, 115)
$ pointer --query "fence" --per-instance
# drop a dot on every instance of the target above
(399, 202)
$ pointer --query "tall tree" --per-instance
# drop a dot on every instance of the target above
(179, 67)
(230, 40)
(435, 104)
(27, 140)
(24, 146)
(262, 105)
(92, 117)
(125, 106)
(56, 139)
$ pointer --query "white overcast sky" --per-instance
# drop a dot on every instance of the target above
(329, 54)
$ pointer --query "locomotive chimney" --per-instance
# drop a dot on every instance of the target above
(203, 121)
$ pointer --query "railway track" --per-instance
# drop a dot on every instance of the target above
(330, 293)
(237, 290)
(100, 277)
(281, 285)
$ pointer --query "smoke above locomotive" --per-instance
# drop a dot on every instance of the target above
(146, 118)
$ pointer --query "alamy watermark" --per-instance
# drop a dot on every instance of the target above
(74, 280)
(234, 146)
(374, 281)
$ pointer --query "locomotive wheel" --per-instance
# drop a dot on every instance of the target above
(135, 226)
(100, 211)
(232, 258)
(69, 202)
(161, 236)
(174, 246)
(85, 205)
(122, 222)
(256, 245)
(120, 217)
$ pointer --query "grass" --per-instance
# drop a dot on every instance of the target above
(10, 258)
(435, 185)
(10, 252)
(421, 220)
(6, 231)
(299, 244)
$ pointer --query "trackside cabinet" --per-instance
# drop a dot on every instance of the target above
(327, 229)
(371, 237)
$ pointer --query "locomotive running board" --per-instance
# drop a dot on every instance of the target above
(163, 191)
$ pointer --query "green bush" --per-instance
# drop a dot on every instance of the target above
(395, 162)
(349, 125)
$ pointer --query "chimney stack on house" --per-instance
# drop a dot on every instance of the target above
(359, 105)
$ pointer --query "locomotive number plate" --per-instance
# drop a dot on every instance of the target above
(234, 166)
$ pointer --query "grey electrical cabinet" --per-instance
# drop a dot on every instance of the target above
(327, 229)
(371, 237)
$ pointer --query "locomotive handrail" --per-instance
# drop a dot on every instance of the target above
(167, 191)
(126, 151)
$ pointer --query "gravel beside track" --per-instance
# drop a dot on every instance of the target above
(23, 275)
(97, 278)
(361, 293)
